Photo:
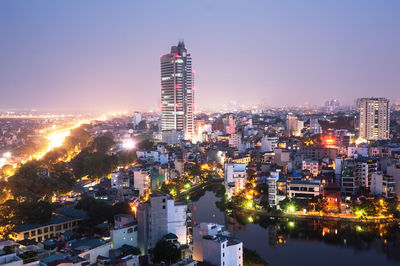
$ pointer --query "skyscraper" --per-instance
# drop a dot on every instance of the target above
(374, 118)
(177, 95)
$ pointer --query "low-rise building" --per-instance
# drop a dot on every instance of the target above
(124, 232)
(213, 245)
(40, 232)
(304, 188)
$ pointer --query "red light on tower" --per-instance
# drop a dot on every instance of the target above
(176, 86)
(176, 55)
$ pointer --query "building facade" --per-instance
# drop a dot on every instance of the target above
(159, 216)
(177, 91)
(374, 118)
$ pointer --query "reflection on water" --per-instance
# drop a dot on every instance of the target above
(282, 241)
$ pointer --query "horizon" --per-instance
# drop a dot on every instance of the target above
(99, 56)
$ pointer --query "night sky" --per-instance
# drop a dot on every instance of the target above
(73, 55)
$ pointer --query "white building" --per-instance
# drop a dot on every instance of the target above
(159, 216)
(315, 127)
(90, 249)
(11, 260)
(119, 180)
(235, 141)
(177, 91)
(374, 118)
(364, 167)
(311, 165)
(156, 156)
(141, 181)
(272, 190)
(304, 188)
(394, 171)
(137, 117)
(354, 151)
(124, 231)
(235, 178)
(382, 185)
(212, 245)
(269, 144)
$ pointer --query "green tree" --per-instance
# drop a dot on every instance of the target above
(167, 252)
(103, 144)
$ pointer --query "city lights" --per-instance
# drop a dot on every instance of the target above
(128, 144)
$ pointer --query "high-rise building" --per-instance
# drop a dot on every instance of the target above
(331, 105)
(374, 118)
(137, 117)
(177, 95)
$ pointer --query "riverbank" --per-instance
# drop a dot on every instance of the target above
(294, 215)
(319, 217)
(197, 187)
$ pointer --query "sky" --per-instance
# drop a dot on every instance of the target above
(103, 55)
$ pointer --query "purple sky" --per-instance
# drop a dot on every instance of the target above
(104, 55)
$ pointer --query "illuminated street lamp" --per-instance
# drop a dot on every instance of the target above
(291, 208)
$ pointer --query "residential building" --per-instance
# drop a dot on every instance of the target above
(235, 178)
(374, 118)
(124, 231)
(141, 181)
(311, 165)
(304, 188)
(212, 245)
(364, 167)
(159, 216)
(382, 185)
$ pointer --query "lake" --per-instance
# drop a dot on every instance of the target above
(282, 241)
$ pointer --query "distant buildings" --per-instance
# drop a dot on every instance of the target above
(137, 117)
(159, 216)
(374, 118)
(293, 125)
(177, 91)
(331, 105)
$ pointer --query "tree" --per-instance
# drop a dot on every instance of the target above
(251, 258)
(142, 125)
(103, 144)
(321, 204)
(167, 252)
(122, 208)
(28, 184)
(98, 211)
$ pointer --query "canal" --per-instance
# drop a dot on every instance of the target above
(282, 241)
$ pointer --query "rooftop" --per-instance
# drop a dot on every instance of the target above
(55, 219)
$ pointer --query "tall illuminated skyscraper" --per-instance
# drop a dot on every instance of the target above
(374, 118)
(177, 95)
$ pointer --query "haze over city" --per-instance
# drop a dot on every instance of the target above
(104, 55)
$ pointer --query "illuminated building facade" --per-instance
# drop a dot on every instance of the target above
(177, 91)
(374, 118)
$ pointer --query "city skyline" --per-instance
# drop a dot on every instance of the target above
(104, 57)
